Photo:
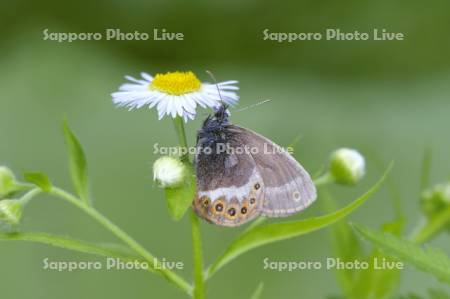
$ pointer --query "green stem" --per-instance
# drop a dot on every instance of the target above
(199, 281)
(30, 195)
(432, 227)
(118, 232)
(181, 134)
(24, 186)
(325, 179)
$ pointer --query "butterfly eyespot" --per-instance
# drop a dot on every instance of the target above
(206, 202)
(296, 196)
(257, 186)
(252, 200)
(243, 210)
(219, 207)
(203, 199)
(232, 212)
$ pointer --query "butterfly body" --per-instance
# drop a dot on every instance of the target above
(242, 175)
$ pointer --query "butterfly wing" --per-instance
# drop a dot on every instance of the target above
(288, 188)
(229, 186)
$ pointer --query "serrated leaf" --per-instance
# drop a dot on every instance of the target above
(77, 164)
(378, 283)
(179, 199)
(386, 280)
(39, 179)
(362, 283)
(375, 283)
(268, 233)
(427, 259)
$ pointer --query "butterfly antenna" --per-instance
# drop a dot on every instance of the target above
(253, 105)
(217, 86)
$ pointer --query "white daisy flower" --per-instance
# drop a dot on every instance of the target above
(174, 93)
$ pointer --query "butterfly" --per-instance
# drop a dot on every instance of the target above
(242, 175)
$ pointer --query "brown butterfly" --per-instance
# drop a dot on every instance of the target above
(242, 175)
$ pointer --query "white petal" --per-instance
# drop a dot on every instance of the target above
(190, 103)
(181, 105)
(162, 108)
(229, 82)
(129, 78)
(133, 87)
(176, 104)
(170, 105)
(228, 87)
(158, 98)
(146, 76)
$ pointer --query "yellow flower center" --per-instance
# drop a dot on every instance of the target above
(176, 83)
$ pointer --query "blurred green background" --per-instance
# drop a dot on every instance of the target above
(389, 99)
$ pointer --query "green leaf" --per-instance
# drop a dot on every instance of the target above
(438, 294)
(39, 179)
(378, 283)
(385, 281)
(375, 283)
(258, 291)
(408, 296)
(106, 250)
(346, 246)
(362, 283)
(268, 233)
(432, 294)
(427, 259)
(77, 164)
(179, 199)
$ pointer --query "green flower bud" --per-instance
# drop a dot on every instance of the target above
(435, 200)
(347, 166)
(11, 211)
(7, 182)
(169, 172)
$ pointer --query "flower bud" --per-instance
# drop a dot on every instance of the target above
(7, 182)
(435, 199)
(10, 211)
(347, 166)
(169, 172)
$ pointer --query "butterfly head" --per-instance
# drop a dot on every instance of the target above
(221, 113)
(214, 128)
(217, 121)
